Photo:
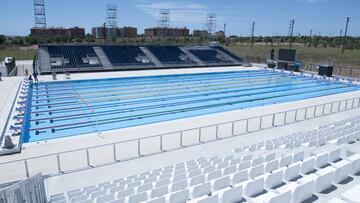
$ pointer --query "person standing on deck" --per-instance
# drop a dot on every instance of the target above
(272, 55)
(35, 77)
(26, 72)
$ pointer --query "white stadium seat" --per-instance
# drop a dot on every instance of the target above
(355, 163)
(206, 199)
(230, 195)
(239, 177)
(178, 197)
(220, 183)
(324, 179)
(352, 195)
(342, 170)
(271, 166)
(292, 172)
(322, 160)
(307, 166)
(200, 190)
(254, 186)
(273, 179)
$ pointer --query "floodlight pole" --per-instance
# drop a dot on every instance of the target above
(292, 22)
(104, 33)
(345, 35)
(252, 34)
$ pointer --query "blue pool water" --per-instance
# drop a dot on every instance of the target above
(68, 108)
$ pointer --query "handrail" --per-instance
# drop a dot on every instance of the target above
(318, 111)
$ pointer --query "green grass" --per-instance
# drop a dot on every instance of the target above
(18, 54)
(350, 58)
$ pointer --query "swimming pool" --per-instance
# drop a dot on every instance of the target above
(68, 108)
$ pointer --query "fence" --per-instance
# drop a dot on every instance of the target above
(81, 159)
(339, 70)
(29, 190)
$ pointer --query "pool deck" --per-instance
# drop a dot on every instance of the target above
(9, 86)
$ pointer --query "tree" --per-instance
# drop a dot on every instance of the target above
(30, 40)
(89, 38)
(267, 40)
(2, 39)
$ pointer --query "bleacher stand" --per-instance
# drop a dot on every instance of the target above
(125, 55)
(290, 169)
(169, 54)
(209, 56)
(234, 56)
(78, 58)
(72, 57)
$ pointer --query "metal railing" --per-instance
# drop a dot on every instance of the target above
(339, 70)
(29, 190)
(85, 158)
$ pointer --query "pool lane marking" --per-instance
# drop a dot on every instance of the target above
(148, 91)
(160, 86)
(181, 90)
(161, 118)
(153, 80)
(132, 109)
(184, 109)
(213, 93)
(158, 83)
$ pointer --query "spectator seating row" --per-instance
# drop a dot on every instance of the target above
(296, 176)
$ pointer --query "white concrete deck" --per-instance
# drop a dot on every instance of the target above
(8, 90)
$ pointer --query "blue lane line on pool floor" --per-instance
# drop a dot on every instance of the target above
(107, 104)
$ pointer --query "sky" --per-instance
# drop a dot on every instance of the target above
(272, 17)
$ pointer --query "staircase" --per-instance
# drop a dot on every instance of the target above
(151, 57)
(44, 60)
(103, 58)
(228, 57)
(191, 56)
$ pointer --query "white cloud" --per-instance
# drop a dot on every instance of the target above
(180, 12)
(310, 1)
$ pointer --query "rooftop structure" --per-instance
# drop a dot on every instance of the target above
(58, 31)
(166, 32)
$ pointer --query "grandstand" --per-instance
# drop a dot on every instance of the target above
(73, 57)
(126, 55)
(215, 133)
(169, 54)
(209, 56)
(85, 58)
